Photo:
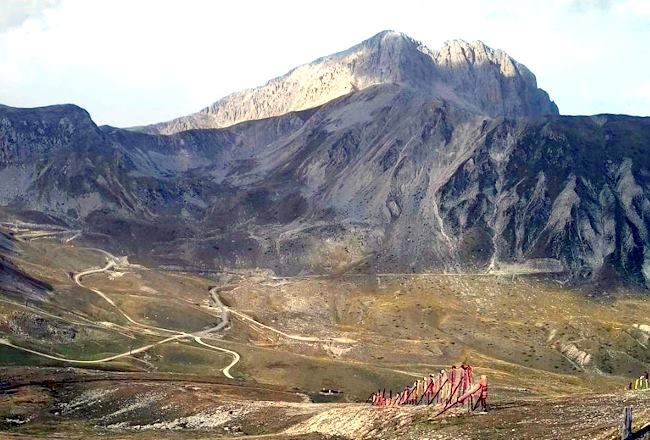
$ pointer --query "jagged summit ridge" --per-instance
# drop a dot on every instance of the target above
(472, 75)
(491, 80)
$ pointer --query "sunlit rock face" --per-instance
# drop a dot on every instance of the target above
(472, 75)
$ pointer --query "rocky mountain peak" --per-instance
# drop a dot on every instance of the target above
(390, 39)
(463, 54)
(32, 132)
(490, 81)
(472, 75)
(389, 34)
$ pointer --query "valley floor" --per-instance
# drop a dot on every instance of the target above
(244, 353)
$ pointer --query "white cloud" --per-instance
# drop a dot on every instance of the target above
(14, 12)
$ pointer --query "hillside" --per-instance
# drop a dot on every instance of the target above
(119, 350)
(383, 176)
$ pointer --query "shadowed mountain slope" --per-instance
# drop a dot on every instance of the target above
(381, 177)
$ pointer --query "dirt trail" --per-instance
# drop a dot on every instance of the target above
(249, 319)
(93, 361)
(178, 335)
(111, 264)
(33, 231)
(114, 262)
(234, 354)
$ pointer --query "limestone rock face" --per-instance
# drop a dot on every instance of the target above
(473, 75)
(491, 81)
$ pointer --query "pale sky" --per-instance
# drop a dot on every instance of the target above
(132, 62)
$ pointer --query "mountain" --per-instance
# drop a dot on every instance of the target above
(386, 157)
(471, 75)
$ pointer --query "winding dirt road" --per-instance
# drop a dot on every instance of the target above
(113, 262)
(93, 361)
(178, 335)
(250, 320)
(236, 357)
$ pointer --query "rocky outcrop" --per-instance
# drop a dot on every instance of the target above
(29, 134)
(642, 327)
(490, 81)
(580, 357)
(470, 74)
(25, 324)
